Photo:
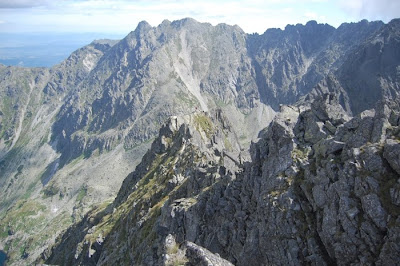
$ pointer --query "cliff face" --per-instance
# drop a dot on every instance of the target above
(368, 74)
(289, 63)
(321, 187)
(318, 188)
(70, 135)
(185, 65)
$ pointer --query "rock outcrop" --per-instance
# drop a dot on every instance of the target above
(320, 188)
(191, 154)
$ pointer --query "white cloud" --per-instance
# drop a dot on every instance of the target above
(372, 9)
(311, 15)
(21, 3)
(122, 16)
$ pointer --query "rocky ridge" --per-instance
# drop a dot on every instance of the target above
(320, 188)
(369, 74)
(82, 126)
(190, 155)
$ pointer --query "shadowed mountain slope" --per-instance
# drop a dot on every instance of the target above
(70, 135)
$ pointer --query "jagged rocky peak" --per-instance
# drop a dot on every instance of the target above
(143, 26)
(321, 120)
(210, 133)
(185, 22)
(158, 71)
(191, 154)
(337, 182)
(368, 74)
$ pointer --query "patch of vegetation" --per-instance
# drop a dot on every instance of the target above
(4, 232)
(186, 99)
(147, 232)
(50, 191)
(299, 153)
(275, 193)
(37, 231)
(283, 187)
(227, 144)
(25, 217)
(152, 186)
(76, 160)
(91, 153)
(129, 146)
(142, 207)
(19, 171)
(221, 103)
(29, 190)
(81, 194)
(174, 249)
(180, 261)
(203, 122)
(44, 139)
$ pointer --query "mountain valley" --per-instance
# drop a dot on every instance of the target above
(188, 143)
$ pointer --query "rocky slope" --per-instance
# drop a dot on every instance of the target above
(32, 214)
(78, 129)
(190, 155)
(370, 73)
(181, 66)
(321, 188)
(289, 63)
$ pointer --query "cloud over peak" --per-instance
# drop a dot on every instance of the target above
(22, 3)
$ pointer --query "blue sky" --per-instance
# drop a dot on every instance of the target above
(122, 16)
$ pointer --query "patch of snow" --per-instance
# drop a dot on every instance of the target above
(54, 208)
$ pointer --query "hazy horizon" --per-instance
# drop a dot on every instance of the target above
(36, 25)
(46, 49)
(44, 33)
(122, 16)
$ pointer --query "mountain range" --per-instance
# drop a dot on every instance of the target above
(197, 144)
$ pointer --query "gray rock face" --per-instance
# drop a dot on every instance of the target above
(69, 135)
(330, 198)
(368, 73)
(392, 154)
(180, 66)
(186, 158)
(373, 208)
(200, 256)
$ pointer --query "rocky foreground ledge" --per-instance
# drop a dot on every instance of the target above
(320, 188)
